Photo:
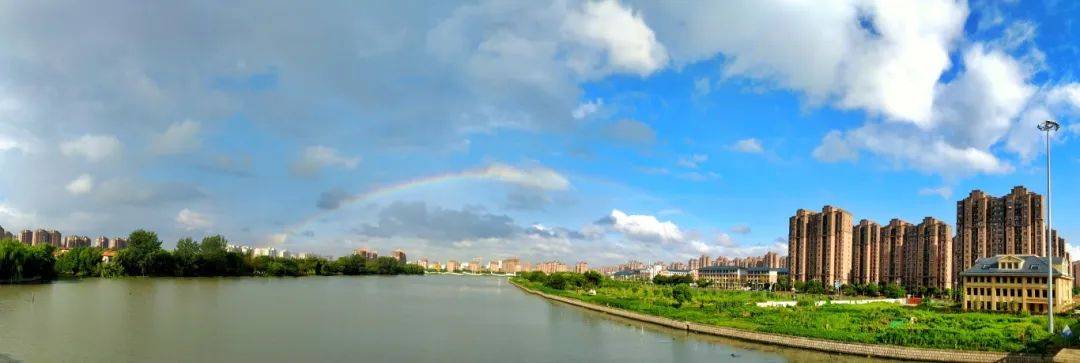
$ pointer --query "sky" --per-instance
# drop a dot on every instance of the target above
(599, 130)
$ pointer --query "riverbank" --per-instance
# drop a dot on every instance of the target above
(858, 349)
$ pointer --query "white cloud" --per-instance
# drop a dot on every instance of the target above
(180, 137)
(644, 228)
(588, 108)
(905, 146)
(740, 229)
(750, 145)
(535, 176)
(834, 148)
(702, 86)
(191, 220)
(627, 44)
(944, 191)
(316, 158)
(15, 217)
(93, 148)
(692, 161)
(81, 185)
(881, 56)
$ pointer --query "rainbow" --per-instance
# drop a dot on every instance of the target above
(537, 177)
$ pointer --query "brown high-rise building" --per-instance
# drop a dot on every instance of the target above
(54, 238)
(798, 242)
(866, 252)
(987, 226)
(26, 236)
(398, 255)
(772, 260)
(40, 237)
(928, 256)
(820, 245)
(891, 256)
(511, 265)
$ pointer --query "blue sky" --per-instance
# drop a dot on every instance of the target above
(604, 131)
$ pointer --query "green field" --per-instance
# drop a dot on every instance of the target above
(936, 325)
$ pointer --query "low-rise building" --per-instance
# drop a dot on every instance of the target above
(1015, 283)
(724, 277)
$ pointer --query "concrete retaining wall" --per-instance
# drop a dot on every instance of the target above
(865, 350)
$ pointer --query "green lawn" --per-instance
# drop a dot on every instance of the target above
(878, 323)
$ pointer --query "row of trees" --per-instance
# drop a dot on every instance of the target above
(22, 263)
(565, 280)
(144, 256)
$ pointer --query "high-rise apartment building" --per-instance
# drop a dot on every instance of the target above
(54, 238)
(40, 237)
(366, 253)
(866, 252)
(891, 256)
(26, 236)
(820, 243)
(511, 265)
(987, 226)
(452, 266)
(581, 267)
(398, 255)
(928, 256)
(772, 260)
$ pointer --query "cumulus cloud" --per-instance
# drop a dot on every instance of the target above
(180, 137)
(945, 192)
(740, 229)
(906, 146)
(332, 199)
(692, 161)
(191, 220)
(618, 39)
(750, 145)
(93, 148)
(315, 158)
(535, 176)
(642, 227)
(80, 185)
(417, 219)
(586, 109)
(631, 132)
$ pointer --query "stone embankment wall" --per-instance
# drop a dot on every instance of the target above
(865, 350)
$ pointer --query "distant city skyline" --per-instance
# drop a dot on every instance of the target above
(604, 131)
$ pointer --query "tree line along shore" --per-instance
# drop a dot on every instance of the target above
(144, 256)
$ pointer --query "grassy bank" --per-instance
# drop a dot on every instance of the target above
(877, 323)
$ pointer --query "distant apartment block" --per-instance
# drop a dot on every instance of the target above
(399, 255)
(511, 265)
(366, 253)
(866, 253)
(928, 255)
(891, 260)
(820, 245)
(581, 267)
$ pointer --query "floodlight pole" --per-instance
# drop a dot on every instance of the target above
(1049, 126)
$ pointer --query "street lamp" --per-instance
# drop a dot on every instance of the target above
(1049, 126)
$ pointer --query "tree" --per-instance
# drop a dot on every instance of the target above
(872, 289)
(136, 258)
(187, 257)
(681, 294)
(893, 290)
(594, 278)
(79, 262)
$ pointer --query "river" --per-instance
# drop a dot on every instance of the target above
(338, 319)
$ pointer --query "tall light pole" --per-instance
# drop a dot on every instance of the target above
(1048, 127)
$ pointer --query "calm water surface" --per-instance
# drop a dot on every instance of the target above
(339, 319)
